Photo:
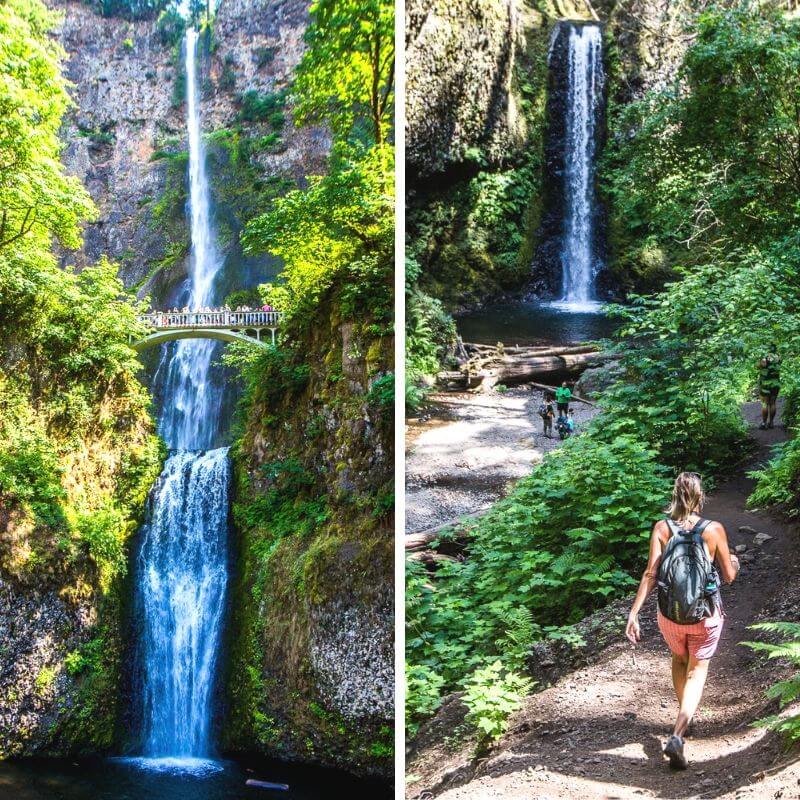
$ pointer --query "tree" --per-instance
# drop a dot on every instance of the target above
(347, 73)
(343, 220)
(37, 200)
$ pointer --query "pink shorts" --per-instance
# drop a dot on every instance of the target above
(699, 640)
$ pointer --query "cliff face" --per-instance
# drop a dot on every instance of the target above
(476, 90)
(460, 60)
(130, 112)
(62, 641)
(312, 637)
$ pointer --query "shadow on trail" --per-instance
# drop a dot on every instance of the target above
(633, 760)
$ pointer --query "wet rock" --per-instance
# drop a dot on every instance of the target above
(760, 538)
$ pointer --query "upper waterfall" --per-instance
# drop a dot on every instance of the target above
(192, 414)
(584, 96)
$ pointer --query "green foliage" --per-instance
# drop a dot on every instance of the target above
(37, 200)
(104, 531)
(76, 440)
(423, 698)
(786, 691)
(492, 694)
(429, 333)
(171, 27)
(709, 164)
(257, 107)
(264, 56)
(227, 80)
(179, 88)
(129, 9)
(346, 76)
(343, 222)
(563, 543)
(44, 680)
(474, 239)
(381, 395)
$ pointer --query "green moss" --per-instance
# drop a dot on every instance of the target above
(44, 680)
(303, 542)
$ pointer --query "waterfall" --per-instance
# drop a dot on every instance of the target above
(181, 568)
(584, 98)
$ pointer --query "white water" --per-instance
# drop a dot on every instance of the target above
(584, 94)
(182, 562)
(193, 403)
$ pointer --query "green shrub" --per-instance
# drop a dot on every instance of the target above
(786, 691)
(492, 695)
(171, 27)
(265, 56)
(257, 107)
(423, 697)
(227, 80)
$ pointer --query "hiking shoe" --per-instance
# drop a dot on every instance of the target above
(762, 426)
(673, 750)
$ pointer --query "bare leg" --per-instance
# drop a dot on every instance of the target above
(679, 666)
(696, 674)
(764, 410)
(773, 403)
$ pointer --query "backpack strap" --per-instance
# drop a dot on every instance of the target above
(696, 531)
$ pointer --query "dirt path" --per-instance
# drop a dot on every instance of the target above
(473, 447)
(597, 733)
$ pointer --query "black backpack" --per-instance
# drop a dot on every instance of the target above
(544, 411)
(688, 584)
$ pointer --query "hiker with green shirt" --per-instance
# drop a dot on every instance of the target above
(563, 396)
(769, 384)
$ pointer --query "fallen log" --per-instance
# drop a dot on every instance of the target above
(512, 372)
(521, 352)
(430, 558)
(419, 540)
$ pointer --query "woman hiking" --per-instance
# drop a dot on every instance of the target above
(684, 549)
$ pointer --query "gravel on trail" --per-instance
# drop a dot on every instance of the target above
(471, 448)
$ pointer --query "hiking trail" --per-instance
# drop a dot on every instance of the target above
(598, 731)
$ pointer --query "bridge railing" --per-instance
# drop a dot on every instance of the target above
(212, 319)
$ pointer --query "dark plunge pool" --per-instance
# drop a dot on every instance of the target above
(130, 779)
(534, 323)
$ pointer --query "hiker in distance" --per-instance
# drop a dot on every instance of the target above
(769, 384)
(563, 397)
(547, 414)
(684, 549)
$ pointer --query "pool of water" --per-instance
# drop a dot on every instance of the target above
(173, 779)
(535, 323)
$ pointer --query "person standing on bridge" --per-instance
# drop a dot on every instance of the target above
(685, 553)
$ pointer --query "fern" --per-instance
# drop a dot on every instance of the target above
(786, 691)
